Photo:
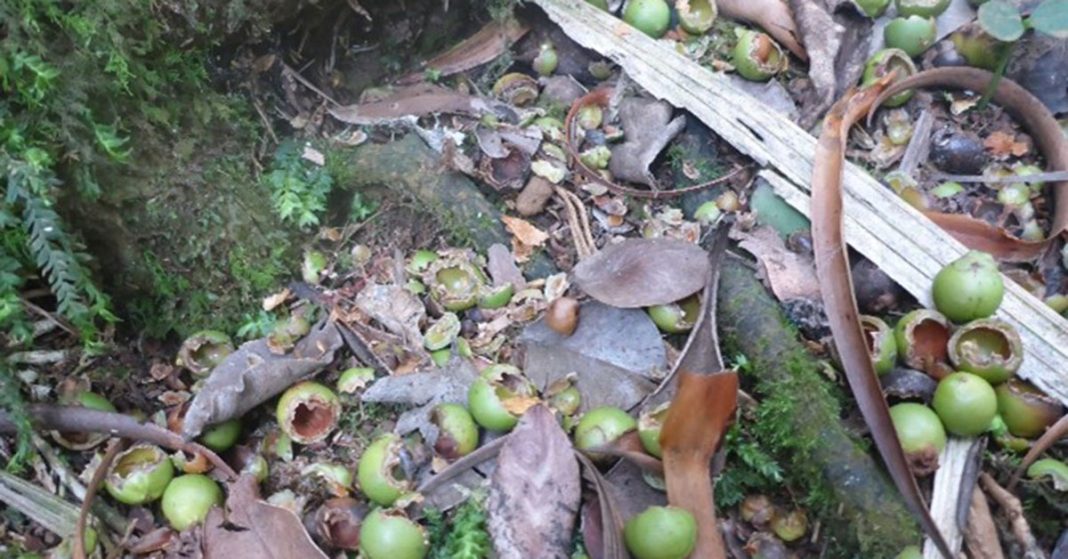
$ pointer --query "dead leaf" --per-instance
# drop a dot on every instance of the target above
(525, 237)
(613, 351)
(253, 528)
(423, 391)
(253, 374)
(832, 269)
(643, 272)
(272, 301)
(395, 308)
(649, 128)
(602, 517)
(791, 275)
(502, 268)
(535, 494)
(415, 101)
(1002, 145)
(487, 44)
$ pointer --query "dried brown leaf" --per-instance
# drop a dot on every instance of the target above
(253, 528)
(643, 272)
(535, 494)
(790, 275)
(1003, 144)
(253, 374)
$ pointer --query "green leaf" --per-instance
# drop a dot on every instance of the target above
(1051, 18)
(1001, 20)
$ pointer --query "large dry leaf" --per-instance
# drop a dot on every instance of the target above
(613, 351)
(253, 528)
(535, 494)
(649, 128)
(643, 272)
(1029, 111)
(790, 275)
(488, 43)
(836, 286)
(395, 308)
(416, 101)
(602, 515)
(254, 374)
(423, 390)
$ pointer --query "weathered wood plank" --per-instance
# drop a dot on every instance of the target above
(900, 240)
(944, 499)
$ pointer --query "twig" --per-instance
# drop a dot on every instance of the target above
(1017, 521)
(579, 223)
(266, 122)
(37, 309)
(286, 69)
(919, 144)
(1054, 176)
(87, 503)
(84, 420)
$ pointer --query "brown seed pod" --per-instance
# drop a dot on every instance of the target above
(337, 523)
(563, 315)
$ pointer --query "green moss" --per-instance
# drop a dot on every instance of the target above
(798, 422)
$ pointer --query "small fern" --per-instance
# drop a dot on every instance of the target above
(299, 188)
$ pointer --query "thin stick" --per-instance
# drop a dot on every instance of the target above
(87, 503)
(1054, 176)
(84, 420)
(1021, 530)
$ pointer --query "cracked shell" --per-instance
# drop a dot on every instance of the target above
(882, 345)
(139, 475)
(987, 347)
(381, 472)
(488, 395)
(203, 351)
(677, 317)
(757, 57)
(308, 412)
(922, 337)
(1026, 410)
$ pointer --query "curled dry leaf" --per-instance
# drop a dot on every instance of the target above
(614, 351)
(253, 528)
(396, 308)
(643, 272)
(1044, 130)
(649, 128)
(253, 374)
(535, 494)
(836, 286)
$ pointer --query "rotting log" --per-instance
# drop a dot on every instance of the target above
(408, 167)
(906, 245)
(807, 431)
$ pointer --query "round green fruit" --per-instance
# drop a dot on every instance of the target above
(922, 8)
(913, 34)
(921, 435)
(757, 57)
(965, 403)
(600, 426)
(457, 432)
(650, 423)
(188, 498)
(222, 436)
(139, 475)
(677, 317)
(388, 534)
(884, 63)
(873, 8)
(882, 345)
(1026, 411)
(661, 533)
(487, 395)
(968, 288)
(380, 473)
(651, 17)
